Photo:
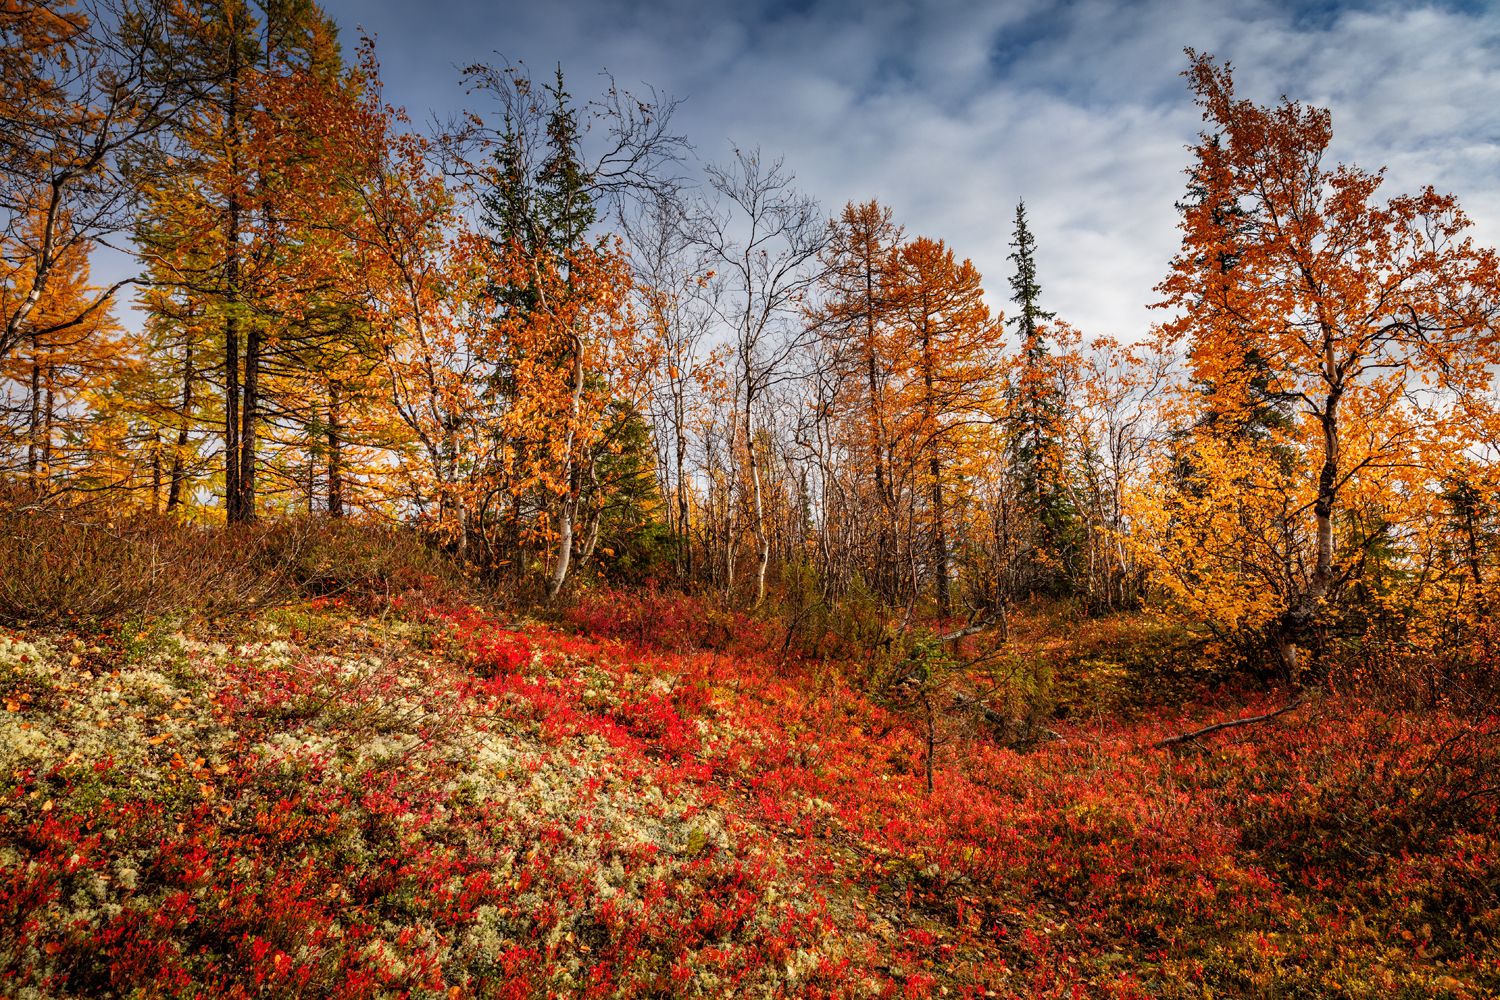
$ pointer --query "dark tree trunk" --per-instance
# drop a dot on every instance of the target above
(249, 407)
(176, 476)
(335, 456)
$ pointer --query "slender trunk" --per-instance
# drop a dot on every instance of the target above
(762, 538)
(175, 477)
(49, 415)
(872, 374)
(335, 456)
(564, 555)
(249, 415)
(935, 470)
(233, 496)
(940, 540)
(34, 421)
(596, 514)
(731, 509)
(1323, 506)
(232, 410)
(156, 473)
(570, 502)
(684, 540)
(1304, 606)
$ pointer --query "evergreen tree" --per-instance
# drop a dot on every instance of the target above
(1037, 456)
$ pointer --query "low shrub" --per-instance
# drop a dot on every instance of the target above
(55, 570)
(663, 619)
(325, 557)
(70, 570)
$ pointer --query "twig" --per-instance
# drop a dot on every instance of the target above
(1231, 724)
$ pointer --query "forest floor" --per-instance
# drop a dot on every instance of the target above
(349, 798)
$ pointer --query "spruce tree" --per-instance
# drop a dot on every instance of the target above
(1037, 456)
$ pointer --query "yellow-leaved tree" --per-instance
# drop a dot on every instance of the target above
(1342, 351)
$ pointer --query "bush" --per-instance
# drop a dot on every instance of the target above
(62, 570)
(55, 570)
(663, 620)
(323, 557)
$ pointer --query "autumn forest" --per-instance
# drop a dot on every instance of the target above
(512, 556)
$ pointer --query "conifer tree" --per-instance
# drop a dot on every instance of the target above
(1037, 454)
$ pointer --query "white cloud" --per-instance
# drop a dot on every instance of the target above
(950, 111)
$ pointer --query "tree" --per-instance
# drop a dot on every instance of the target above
(541, 195)
(673, 300)
(77, 100)
(215, 230)
(58, 367)
(1375, 322)
(948, 352)
(764, 244)
(1038, 459)
(424, 288)
(567, 356)
(856, 319)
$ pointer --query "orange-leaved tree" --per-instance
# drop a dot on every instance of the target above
(948, 356)
(856, 320)
(1372, 322)
(567, 357)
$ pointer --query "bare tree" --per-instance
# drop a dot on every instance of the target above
(763, 237)
(677, 304)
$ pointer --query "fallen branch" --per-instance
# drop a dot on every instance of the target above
(1231, 724)
(967, 630)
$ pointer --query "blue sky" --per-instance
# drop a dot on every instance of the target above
(949, 111)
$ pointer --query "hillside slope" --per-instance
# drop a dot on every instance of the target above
(348, 800)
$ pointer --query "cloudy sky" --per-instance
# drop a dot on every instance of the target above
(949, 111)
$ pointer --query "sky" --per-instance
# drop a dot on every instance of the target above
(950, 111)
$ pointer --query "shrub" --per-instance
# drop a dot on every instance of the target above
(69, 570)
(662, 619)
(55, 570)
(322, 557)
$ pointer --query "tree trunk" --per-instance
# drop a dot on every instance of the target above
(940, 541)
(233, 496)
(762, 538)
(1303, 608)
(175, 477)
(684, 539)
(935, 469)
(249, 416)
(34, 421)
(564, 555)
(335, 456)
(569, 507)
(156, 473)
(49, 416)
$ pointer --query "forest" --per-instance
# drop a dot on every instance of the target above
(511, 557)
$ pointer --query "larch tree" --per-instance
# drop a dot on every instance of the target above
(949, 356)
(855, 317)
(77, 101)
(51, 434)
(213, 229)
